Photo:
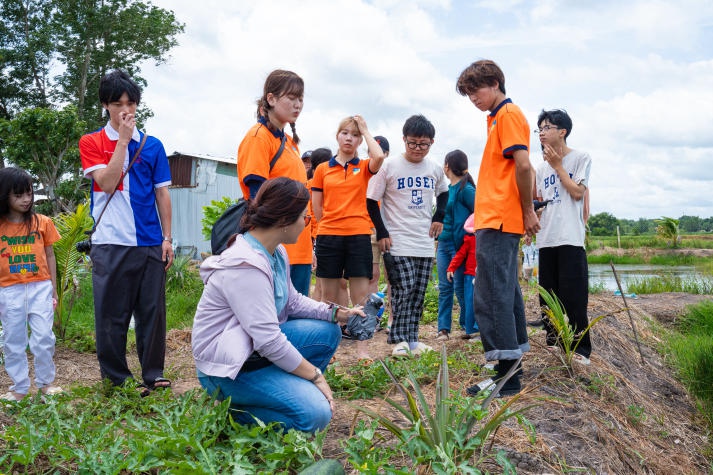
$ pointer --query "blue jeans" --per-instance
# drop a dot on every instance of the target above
(301, 277)
(274, 395)
(471, 326)
(444, 254)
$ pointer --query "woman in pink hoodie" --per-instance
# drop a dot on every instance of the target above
(256, 340)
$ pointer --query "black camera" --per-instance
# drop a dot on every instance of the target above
(84, 246)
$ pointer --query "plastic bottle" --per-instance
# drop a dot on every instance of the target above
(374, 304)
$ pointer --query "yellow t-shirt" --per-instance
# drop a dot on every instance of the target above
(22, 255)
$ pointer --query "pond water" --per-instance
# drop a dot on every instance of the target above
(602, 273)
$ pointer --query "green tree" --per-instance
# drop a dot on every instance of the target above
(690, 224)
(667, 228)
(98, 35)
(44, 142)
(603, 224)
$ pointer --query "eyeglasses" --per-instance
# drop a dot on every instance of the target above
(308, 218)
(420, 146)
(545, 128)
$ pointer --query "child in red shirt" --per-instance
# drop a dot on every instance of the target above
(467, 253)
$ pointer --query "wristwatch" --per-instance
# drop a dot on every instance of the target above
(317, 374)
(168, 238)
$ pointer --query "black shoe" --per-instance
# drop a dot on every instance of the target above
(512, 386)
(345, 334)
(539, 323)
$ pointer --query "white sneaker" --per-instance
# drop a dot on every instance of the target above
(421, 348)
(401, 349)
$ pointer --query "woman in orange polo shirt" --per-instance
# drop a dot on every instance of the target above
(343, 246)
(280, 104)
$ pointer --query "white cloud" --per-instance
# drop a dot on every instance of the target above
(635, 76)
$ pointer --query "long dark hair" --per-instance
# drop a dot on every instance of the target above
(17, 181)
(457, 162)
(280, 83)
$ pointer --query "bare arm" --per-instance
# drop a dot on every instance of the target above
(317, 205)
(52, 264)
(554, 158)
(163, 202)
(108, 178)
(523, 177)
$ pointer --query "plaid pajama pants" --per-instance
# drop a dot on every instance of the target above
(407, 295)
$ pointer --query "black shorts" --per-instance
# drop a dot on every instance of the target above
(343, 256)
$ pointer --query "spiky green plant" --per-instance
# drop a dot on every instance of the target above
(72, 228)
(568, 340)
(444, 438)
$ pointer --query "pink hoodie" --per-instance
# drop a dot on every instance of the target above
(236, 314)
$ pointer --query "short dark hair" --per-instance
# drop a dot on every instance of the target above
(320, 155)
(279, 202)
(418, 126)
(558, 117)
(114, 84)
(482, 73)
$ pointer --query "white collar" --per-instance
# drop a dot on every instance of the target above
(114, 135)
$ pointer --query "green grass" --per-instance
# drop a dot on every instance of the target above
(691, 241)
(692, 354)
(667, 283)
(183, 290)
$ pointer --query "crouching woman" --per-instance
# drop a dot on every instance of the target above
(245, 346)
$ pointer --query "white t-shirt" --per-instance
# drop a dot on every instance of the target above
(562, 222)
(407, 192)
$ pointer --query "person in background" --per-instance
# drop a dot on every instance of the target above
(28, 286)
(409, 187)
(279, 105)
(375, 251)
(261, 343)
(132, 245)
(563, 178)
(307, 162)
(529, 258)
(343, 247)
(461, 199)
(466, 256)
(504, 213)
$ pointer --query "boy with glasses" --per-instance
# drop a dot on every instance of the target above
(563, 178)
(408, 186)
(504, 212)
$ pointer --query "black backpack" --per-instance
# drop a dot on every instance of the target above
(229, 222)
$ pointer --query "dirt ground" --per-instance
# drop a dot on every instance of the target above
(625, 413)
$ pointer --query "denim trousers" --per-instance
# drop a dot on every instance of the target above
(301, 277)
(497, 299)
(23, 305)
(471, 326)
(444, 254)
(271, 394)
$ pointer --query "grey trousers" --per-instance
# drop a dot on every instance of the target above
(497, 299)
(129, 280)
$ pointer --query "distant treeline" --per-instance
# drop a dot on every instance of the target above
(604, 224)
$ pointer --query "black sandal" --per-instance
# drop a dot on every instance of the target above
(143, 390)
(160, 383)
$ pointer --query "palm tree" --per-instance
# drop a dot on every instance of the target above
(667, 228)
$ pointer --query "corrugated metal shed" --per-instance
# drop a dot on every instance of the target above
(197, 180)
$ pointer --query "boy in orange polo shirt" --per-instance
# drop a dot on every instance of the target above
(503, 212)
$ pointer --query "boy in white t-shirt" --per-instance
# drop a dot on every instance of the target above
(408, 186)
(563, 178)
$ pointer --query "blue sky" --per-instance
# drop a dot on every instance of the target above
(636, 77)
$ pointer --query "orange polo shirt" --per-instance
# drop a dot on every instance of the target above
(497, 197)
(254, 155)
(343, 190)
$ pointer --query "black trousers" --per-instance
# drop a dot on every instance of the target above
(564, 270)
(129, 280)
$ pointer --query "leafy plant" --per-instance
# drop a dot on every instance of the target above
(567, 339)
(441, 438)
(70, 262)
(667, 228)
(212, 212)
